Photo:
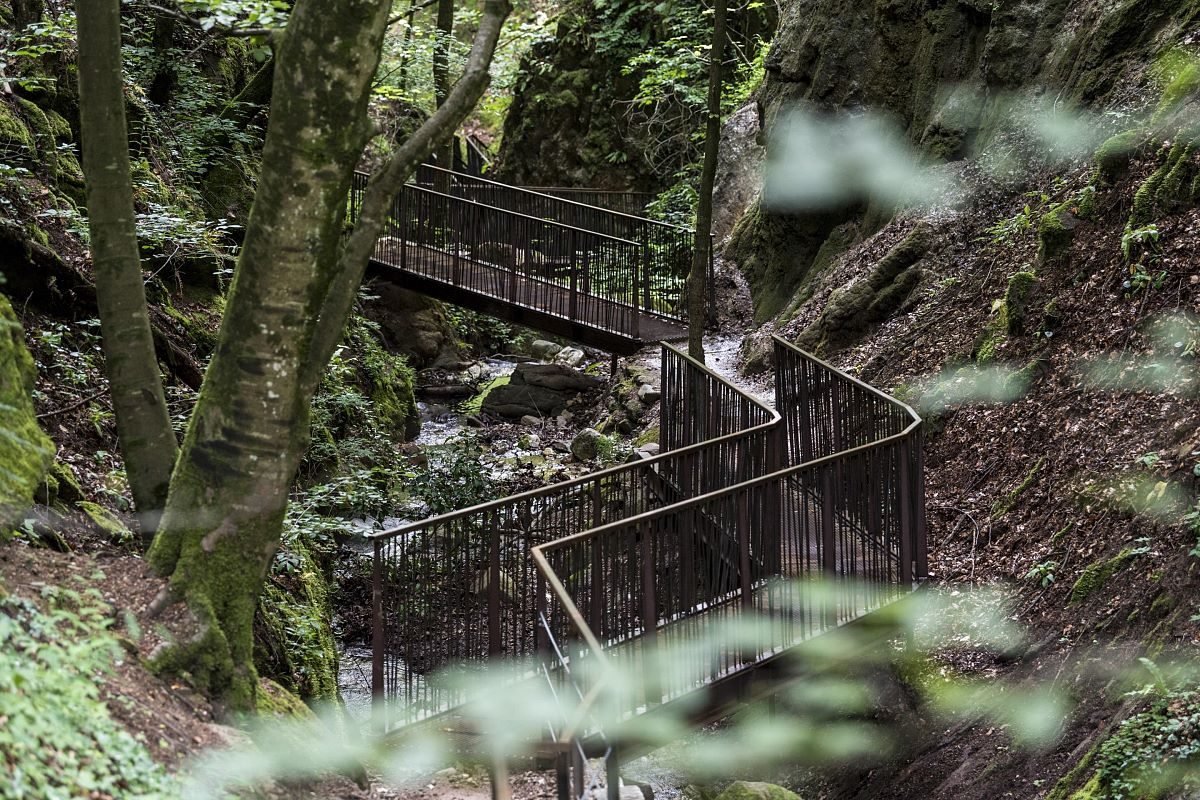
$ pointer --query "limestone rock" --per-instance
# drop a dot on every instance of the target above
(571, 356)
(648, 394)
(25, 451)
(555, 376)
(586, 444)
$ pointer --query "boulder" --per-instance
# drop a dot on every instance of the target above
(544, 350)
(755, 790)
(25, 451)
(648, 394)
(555, 376)
(571, 356)
(586, 444)
(537, 390)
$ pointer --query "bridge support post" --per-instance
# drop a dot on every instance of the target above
(494, 644)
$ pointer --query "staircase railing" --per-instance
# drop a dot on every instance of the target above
(458, 590)
(851, 512)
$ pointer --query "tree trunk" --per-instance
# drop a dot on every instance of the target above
(143, 424)
(27, 12)
(162, 85)
(287, 307)
(441, 85)
(702, 256)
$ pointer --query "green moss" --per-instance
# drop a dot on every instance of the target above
(294, 642)
(1169, 187)
(389, 384)
(1152, 753)
(26, 453)
(754, 790)
(60, 486)
(1006, 503)
(1056, 229)
(1096, 575)
(13, 131)
(273, 700)
(1162, 605)
(42, 133)
(1062, 532)
(1112, 158)
(648, 436)
(59, 127)
(107, 522)
(1016, 300)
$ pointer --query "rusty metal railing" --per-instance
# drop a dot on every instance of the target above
(848, 508)
(459, 590)
(667, 248)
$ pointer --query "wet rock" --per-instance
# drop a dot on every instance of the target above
(529, 419)
(544, 350)
(649, 449)
(571, 356)
(648, 394)
(586, 444)
(739, 170)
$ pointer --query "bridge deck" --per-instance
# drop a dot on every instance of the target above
(526, 300)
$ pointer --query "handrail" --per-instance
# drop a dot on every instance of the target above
(593, 477)
(416, 187)
(534, 190)
(464, 578)
(644, 524)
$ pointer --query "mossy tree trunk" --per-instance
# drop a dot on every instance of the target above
(27, 12)
(702, 255)
(143, 423)
(292, 293)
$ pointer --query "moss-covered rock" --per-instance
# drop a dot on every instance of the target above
(755, 790)
(26, 453)
(44, 141)
(1096, 575)
(106, 522)
(1009, 316)
(275, 701)
(1006, 503)
(1056, 229)
(851, 310)
(1174, 184)
(1113, 156)
(14, 133)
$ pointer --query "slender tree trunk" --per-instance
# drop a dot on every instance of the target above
(291, 295)
(162, 86)
(143, 424)
(441, 83)
(702, 256)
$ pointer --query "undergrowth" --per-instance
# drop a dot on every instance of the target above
(57, 738)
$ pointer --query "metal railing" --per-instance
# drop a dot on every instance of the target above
(634, 203)
(849, 509)
(667, 248)
(458, 590)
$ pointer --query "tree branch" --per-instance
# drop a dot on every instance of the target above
(384, 185)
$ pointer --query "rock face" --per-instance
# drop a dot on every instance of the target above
(26, 453)
(414, 326)
(537, 390)
(739, 170)
(949, 74)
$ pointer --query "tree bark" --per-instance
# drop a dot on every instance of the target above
(291, 295)
(441, 85)
(27, 12)
(143, 423)
(702, 255)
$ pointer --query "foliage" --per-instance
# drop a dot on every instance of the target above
(58, 739)
(1042, 573)
(1153, 749)
(455, 478)
(22, 52)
